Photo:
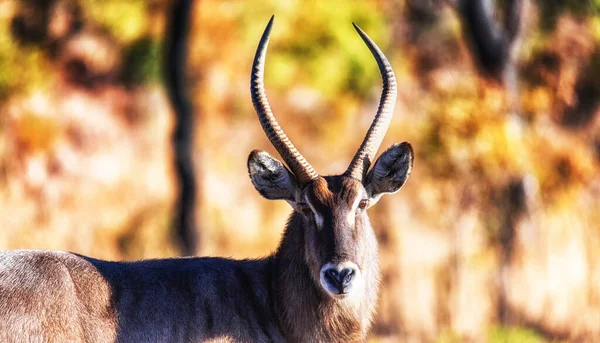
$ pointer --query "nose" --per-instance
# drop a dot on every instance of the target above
(342, 279)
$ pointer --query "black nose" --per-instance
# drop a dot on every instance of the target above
(340, 279)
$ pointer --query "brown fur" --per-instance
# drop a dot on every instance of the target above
(307, 312)
(63, 297)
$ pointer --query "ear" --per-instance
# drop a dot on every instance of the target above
(270, 178)
(390, 172)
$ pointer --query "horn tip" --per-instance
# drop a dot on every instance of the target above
(264, 40)
(357, 28)
(270, 24)
(362, 34)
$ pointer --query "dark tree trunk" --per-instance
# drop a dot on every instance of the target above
(491, 44)
(183, 135)
(514, 207)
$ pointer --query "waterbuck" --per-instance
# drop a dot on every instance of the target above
(320, 285)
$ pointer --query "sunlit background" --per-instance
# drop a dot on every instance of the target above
(496, 235)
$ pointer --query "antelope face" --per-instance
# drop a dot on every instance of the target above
(339, 243)
(338, 239)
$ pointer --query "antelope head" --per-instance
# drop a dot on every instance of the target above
(339, 242)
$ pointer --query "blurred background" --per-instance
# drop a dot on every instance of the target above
(496, 235)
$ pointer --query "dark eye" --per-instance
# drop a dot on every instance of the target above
(305, 209)
(363, 204)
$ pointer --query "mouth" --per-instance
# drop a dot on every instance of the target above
(335, 293)
(339, 296)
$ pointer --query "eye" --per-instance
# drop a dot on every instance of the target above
(363, 204)
(305, 209)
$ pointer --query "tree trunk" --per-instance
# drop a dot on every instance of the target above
(183, 136)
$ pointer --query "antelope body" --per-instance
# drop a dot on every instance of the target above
(320, 285)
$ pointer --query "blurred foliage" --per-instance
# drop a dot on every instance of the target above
(551, 10)
(500, 334)
(142, 62)
(28, 62)
(36, 134)
(326, 53)
(126, 20)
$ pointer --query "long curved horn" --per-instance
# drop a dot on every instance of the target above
(291, 156)
(366, 153)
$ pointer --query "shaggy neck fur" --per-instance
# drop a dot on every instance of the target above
(306, 313)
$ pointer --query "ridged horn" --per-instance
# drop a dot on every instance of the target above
(366, 153)
(291, 156)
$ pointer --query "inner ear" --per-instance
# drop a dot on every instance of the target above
(271, 178)
(390, 172)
